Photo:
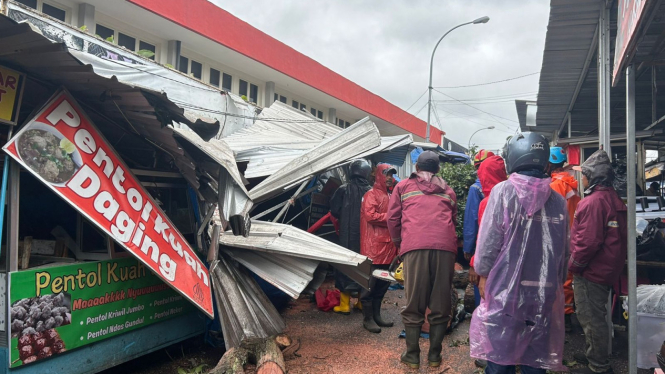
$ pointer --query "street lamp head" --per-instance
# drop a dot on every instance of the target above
(481, 20)
(491, 128)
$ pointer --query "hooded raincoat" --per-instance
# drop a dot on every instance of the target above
(375, 240)
(566, 185)
(492, 173)
(522, 251)
(345, 206)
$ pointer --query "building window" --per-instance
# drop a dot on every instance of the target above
(104, 32)
(295, 104)
(143, 47)
(276, 97)
(196, 70)
(303, 107)
(214, 77)
(183, 67)
(313, 111)
(282, 99)
(54, 12)
(242, 91)
(342, 123)
(319, 114)
(48, 9)
(227, 80)
(253, 93)
(126, 41)
(30, 3)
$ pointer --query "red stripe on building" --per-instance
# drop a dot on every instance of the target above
(214, 23)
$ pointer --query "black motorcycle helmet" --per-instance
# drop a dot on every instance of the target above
(360, 168)
(526, 151)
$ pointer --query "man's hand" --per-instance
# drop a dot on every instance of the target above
(467, 256)
(474, 278)
(481, 287)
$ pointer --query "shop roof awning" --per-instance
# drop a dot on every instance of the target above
(280, 240)
(346, 145)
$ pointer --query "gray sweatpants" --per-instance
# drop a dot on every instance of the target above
(591, 303)
(428, 278)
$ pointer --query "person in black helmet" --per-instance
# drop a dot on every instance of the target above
(521, 259)
(345, 205)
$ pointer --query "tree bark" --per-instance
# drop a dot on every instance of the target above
(265, 353)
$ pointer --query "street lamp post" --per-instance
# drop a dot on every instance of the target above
(484, 128)
(431, 64)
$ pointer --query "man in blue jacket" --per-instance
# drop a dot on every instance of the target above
(470, 229)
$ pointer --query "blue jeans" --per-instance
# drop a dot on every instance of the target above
(493, 368)
(476, 295)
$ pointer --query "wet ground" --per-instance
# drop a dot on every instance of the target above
(331, 343)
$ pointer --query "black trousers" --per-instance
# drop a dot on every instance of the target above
(378, 287)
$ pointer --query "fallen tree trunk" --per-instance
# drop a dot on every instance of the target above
(266, 354)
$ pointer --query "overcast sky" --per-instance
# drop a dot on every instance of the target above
(385, 46)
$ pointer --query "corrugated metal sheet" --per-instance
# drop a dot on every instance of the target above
(233, 198)
(392, 150)
(285, 240)
(355, 140)
(200, 101)
(570, 35)
(289, 274)
(243, 308)
(280, 134)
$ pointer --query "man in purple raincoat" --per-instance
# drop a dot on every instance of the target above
(522, 261)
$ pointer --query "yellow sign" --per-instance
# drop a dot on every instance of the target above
(11, 92)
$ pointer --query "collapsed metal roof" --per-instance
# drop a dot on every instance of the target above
(285, 240)
(279, 134)
(355, 140)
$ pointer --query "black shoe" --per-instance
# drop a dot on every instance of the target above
(480, 363)
(436, 334)
(581, 358)
(412, 355)
(376, 307)
(587, 370)
(368, 318)
(568, 323)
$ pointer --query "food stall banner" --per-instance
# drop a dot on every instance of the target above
(60, 308)
(630, 14)
(11, 91)
(64, 150)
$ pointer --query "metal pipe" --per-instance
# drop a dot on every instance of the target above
(3, 189)
(270, 210)
(291, 201)
(12, 227)
(569, 125)
(632, 244)
(604, 75)
(431, 65)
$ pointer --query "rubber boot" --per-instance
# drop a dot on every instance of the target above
(368, 320)
(436, 334)
(412, 355)
(376, 306)
(358, 305)
(343, 307)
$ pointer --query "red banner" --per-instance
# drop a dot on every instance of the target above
(64, 149)
(630, 14)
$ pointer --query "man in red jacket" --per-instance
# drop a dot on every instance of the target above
(375, 243)
(421, 220)
(598, 253)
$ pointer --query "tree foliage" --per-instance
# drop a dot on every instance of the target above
(459, 177)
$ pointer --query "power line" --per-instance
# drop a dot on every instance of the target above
(477, 123)
(505, 96)
(480, 110)
(488, 83)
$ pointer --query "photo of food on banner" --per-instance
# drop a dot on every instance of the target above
(33, 322)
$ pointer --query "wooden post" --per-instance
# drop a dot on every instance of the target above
(24, 258)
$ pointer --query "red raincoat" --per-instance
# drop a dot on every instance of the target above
(491, 172)
(375, 241)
